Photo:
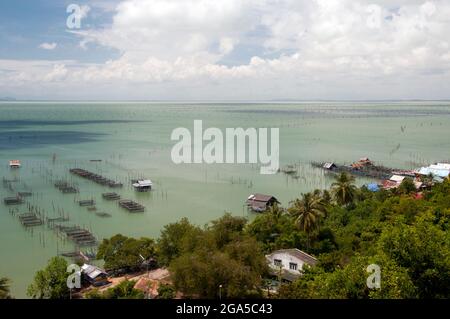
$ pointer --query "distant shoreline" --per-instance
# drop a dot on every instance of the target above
(221, 101)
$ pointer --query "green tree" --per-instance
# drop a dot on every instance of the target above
(226, 228)
(93, 294)
(124, 290)
(200, 274)
(121, 252)
(423, 248)
(350, 282)
(173, 239)
(268, 228)
(4, 288)
(51, 282)
(343, 189)
(407, 186)
(307, 213)
(166, 291)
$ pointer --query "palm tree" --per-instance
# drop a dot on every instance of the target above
(276, 211)
(344, 191)
(4, 288)
(307, 212)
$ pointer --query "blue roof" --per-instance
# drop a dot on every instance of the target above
(373, 187)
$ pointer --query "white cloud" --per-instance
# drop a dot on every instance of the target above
(317, 48)
(48, 46)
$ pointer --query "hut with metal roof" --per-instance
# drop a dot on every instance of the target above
(261, 202)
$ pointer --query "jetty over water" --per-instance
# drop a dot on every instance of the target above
(99, 179)
(131, 206)
(111, 196)
(80, 236)
(30, 219)
(13, 200)
(65, 187)
(86, 202)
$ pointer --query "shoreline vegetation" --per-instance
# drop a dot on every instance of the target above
(346, 228)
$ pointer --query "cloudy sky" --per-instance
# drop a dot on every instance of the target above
(225, 49)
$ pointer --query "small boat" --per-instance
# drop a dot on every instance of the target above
(14, 164)
(143, 185)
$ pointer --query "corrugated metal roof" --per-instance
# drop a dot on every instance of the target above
(92, 271)
(440, 172)
(308, 259)
(397, 178)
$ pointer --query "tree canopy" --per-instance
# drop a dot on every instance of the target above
(51, 282)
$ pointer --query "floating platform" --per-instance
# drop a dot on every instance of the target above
(102, 214)
(66, 188)
(80, 236)
(25, 194)
(131, 206)
(30, 220)
(111, 196)
(86, 202)
(96, 178)
(13, 200)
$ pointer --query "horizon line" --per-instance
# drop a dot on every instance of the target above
(222, 101)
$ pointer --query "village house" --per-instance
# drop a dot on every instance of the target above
(94, 275)
(143, 185)
(361, 163)
(329, 166)
(438, 170)
(288, 263)
(260, 202)
(14, 163)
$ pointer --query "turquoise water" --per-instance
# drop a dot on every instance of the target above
(133, 140)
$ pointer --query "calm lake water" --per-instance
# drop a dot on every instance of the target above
(133, 140)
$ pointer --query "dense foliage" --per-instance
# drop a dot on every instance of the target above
(219, 259)
(124, 290)
(346, 228)
(51, 282)
(407, 237)
(4, 288)
(121, 252)
(166, 291)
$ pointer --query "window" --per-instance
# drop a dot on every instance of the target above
(292, 266)
(277, 262)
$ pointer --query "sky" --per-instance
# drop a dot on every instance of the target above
(225, 49)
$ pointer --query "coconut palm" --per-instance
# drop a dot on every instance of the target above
(276, 211)
(4, 288)
(307, 212)
(344, 191)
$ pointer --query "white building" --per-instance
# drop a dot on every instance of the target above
(143, 185)
(14, 163)
(289, 263)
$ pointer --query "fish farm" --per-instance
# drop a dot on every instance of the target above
(131, 206)
(99, 179)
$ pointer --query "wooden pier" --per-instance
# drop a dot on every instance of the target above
(86, 202)
(66, 188)
(13, 200)
(111, 196)
(131, 206)
(102, 214)
(30, 220)
(80, 236)
(99, 179)
(24, 194)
